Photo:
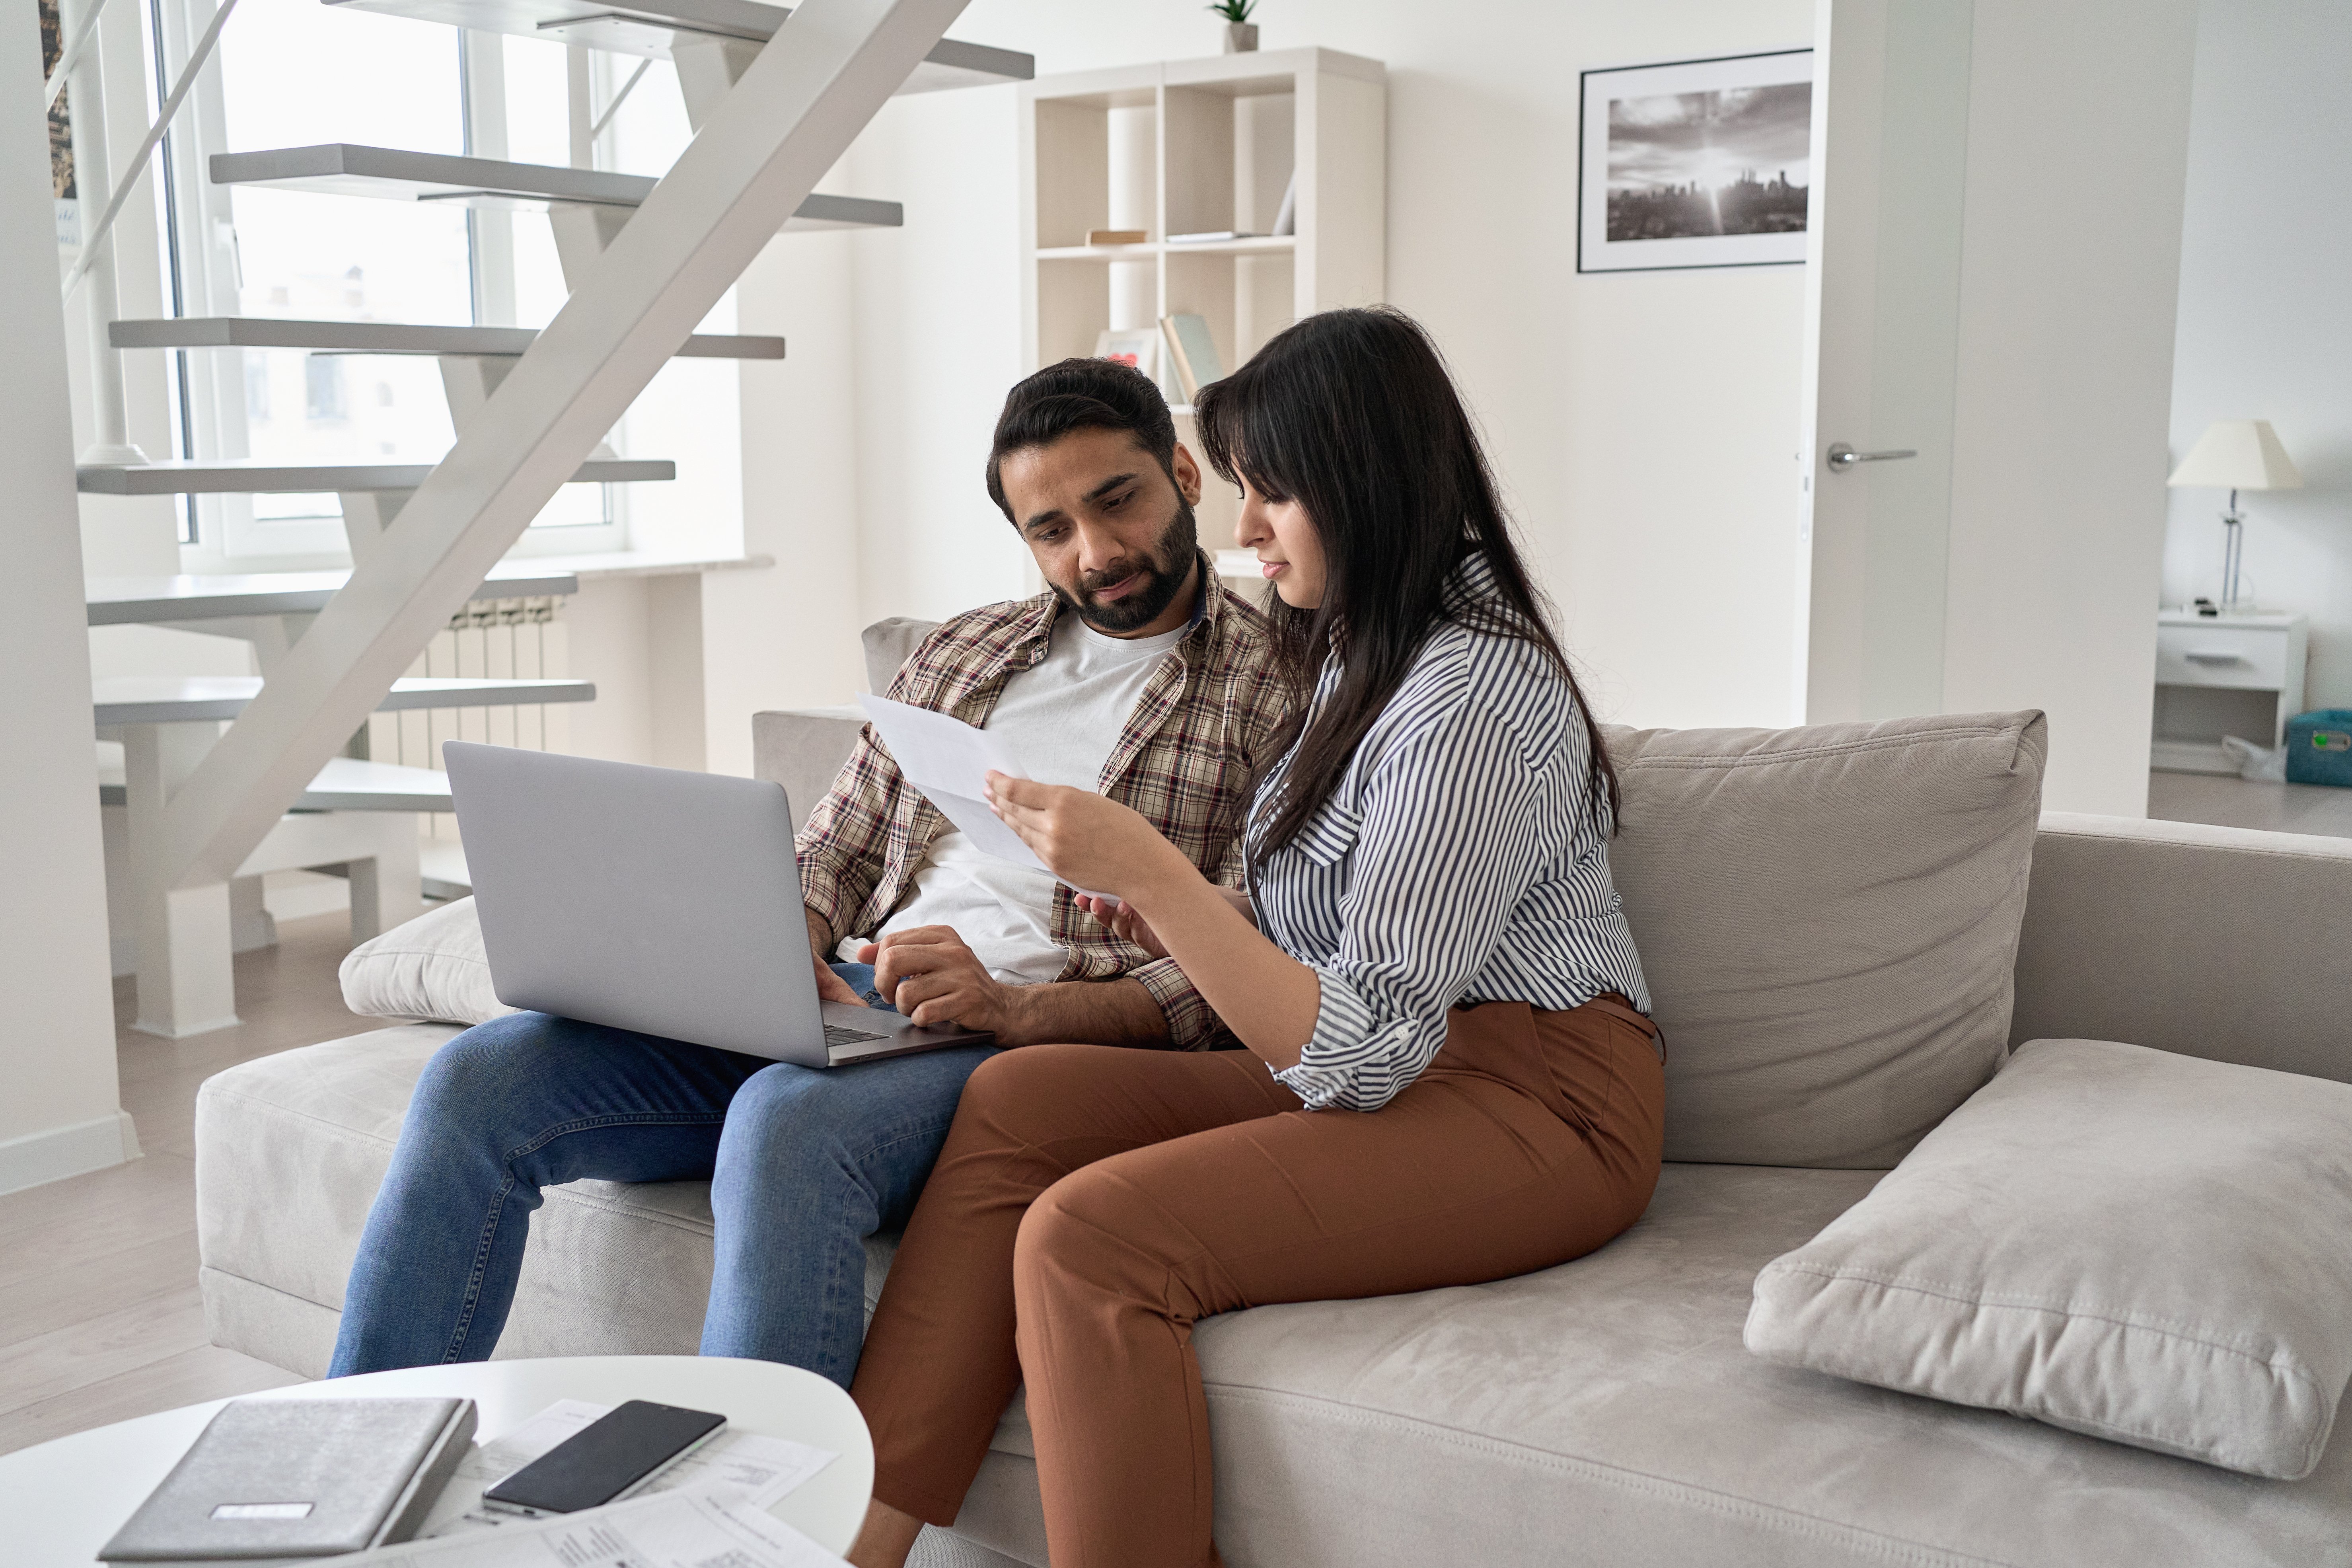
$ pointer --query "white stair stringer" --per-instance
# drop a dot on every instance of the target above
(757, 158)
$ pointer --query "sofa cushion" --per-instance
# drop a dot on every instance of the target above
(2116, 1240)
(1828, 918)
(432, 967)
(291, 1149)
(1608, 1403)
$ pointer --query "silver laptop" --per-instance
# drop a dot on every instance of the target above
(658, 900)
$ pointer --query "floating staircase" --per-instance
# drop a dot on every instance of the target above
(340, 169)
(208, 809)
(346, 784)
(387, 338)
(169, 601)
(258, 476)
(654, 31)
(120, 699)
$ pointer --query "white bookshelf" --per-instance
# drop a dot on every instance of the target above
(1195, 146)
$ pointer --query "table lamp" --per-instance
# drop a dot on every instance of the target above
(2236, 455)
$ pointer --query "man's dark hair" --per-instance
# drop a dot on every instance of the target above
(1080, 394)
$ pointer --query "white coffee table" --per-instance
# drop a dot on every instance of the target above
(60, 1502)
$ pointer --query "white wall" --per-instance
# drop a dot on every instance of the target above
(2069, 272)
(60, 1114)
(1645, 424)
(2265, 312)
(787, 637)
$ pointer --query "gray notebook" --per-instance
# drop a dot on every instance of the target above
(284, 1480)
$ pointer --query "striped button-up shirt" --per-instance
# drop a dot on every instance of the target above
(1461, 857)
(1185, 759)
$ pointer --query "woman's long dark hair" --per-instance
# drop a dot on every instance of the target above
(1351, 415)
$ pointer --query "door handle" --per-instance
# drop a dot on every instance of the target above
(2206, 656)
(1842, 456)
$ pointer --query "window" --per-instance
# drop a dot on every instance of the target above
(297, 73)
(323, 386)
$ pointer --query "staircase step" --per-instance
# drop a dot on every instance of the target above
(135, 601)
(253, 476)
(191, 698)
(339, 168)
(346, 784)
(646, 29)
(384, 338)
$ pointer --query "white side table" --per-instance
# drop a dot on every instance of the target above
(61, 1501)
(2202, 654)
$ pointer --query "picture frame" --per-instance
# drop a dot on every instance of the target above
(1138, 346)
(1694, 163)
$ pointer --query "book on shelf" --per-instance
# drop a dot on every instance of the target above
(1210, 237)
(274, 1482)
(1191, 353)
(1116, 237)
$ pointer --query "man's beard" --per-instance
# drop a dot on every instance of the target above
(1170, 559)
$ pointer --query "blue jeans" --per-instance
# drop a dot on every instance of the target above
(802, 1165)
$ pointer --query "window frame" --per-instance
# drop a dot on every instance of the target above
(209, 387)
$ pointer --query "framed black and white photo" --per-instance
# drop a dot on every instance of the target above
(1696, 164)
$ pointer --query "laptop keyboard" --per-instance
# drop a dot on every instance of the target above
(835, 1035)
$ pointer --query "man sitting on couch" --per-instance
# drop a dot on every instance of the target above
(1158, 688)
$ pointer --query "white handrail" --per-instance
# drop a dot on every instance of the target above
(72, 57)
(137, 167)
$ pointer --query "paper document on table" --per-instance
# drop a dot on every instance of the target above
(948, 760)
(762, 1470)
(696, 1529)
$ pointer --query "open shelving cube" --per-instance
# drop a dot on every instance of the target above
(1199, 146)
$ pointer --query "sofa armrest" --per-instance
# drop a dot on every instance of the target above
(2222, 943)
(803, 749)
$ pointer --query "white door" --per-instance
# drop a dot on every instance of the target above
(1995, 250)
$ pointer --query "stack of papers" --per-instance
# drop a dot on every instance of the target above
(709, 1507)
(673, 1530)
(950, 762)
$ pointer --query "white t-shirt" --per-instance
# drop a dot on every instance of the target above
(1061, 718)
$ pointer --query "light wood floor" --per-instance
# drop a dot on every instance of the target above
(2241, 803)
(100, 1318)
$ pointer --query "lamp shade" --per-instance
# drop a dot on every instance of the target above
(2238, 455)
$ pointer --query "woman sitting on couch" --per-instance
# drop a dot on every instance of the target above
(1449, 1076)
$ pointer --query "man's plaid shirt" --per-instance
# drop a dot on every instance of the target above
(1186, 759)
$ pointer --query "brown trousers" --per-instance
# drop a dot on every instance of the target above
(1092, 1203)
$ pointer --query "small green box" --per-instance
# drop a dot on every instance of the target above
(2319, 747)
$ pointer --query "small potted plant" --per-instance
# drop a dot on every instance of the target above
(1241, 33)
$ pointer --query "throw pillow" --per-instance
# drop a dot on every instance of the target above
(432, 967)
(2148, 1247)
(1828, 920)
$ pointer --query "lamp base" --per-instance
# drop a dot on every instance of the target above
(2233, 553)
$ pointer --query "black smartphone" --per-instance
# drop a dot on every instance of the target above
(605, 1460)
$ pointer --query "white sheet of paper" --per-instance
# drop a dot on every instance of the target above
(693, 1529)
(949, 761)
(762, 1470)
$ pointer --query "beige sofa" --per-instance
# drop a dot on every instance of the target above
(1603, 1412)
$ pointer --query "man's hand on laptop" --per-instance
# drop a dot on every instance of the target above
(830, 987)
(929, 975)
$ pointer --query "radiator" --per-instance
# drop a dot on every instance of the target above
(519, 640)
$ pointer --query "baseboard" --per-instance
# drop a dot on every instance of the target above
(38, 1158)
